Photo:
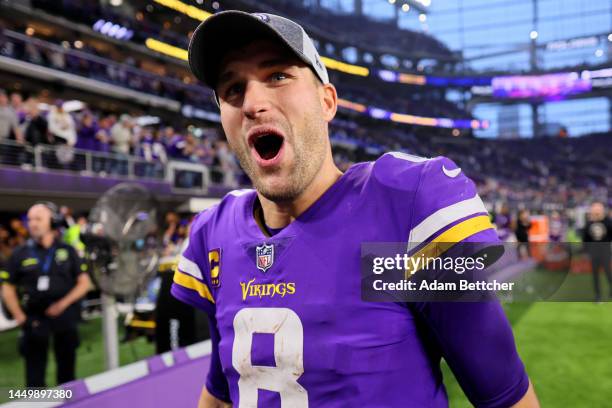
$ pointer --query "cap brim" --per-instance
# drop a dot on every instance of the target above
(221, 33)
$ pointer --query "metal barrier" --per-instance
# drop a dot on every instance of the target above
(181, 175)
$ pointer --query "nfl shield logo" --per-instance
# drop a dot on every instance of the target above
(265, 256)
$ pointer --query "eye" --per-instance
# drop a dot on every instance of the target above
(279, 76)
(232, 89)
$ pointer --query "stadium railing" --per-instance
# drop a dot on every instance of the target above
(181, 175)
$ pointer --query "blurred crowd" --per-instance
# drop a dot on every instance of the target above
(540, 174)
(512, 226)
(547, 173)
(127, 70)
(172, 232)
(32, 122)
(96, 61)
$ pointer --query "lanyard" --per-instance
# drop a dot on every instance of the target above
(46, 265)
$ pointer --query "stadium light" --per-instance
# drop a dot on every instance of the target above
(166, 49)
(599, 53)
(112, 30)
(533, 34)
(116, 3)
(422, 18)
(610, 37)
(405, 7)
(344, 67)
(412, 79)
(330, 63)
(391, 1)
(191, 11)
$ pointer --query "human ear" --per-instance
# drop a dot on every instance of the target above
(329, 101)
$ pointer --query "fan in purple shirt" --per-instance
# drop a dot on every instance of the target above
(175, 144)
(277, 268)
(87, 133)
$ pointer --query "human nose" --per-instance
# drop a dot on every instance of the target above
(256, 100)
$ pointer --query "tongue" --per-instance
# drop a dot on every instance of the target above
(268, 155)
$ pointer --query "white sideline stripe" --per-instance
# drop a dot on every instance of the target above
(24, 404)
(443, 217)
(122, 375)
(116, 377)
(134, 371)
(186, 265)
(199, 349)
(167, 358)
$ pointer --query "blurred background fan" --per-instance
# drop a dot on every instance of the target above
(124, 247)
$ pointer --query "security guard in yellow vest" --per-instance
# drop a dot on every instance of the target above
(44, 280)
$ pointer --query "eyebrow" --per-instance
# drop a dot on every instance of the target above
(227, 75)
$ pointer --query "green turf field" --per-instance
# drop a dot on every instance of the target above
(567, 350)
(566, 347)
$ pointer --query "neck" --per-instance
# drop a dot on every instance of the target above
(46, 240)
(280, 214)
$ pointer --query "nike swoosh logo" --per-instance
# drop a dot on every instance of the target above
(451, 173)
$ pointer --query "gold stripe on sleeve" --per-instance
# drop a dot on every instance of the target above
(189, 282)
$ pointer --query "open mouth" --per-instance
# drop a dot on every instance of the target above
(268, 145)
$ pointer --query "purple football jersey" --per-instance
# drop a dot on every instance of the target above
(289, 328)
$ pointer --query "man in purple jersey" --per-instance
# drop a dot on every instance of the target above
(277, 268)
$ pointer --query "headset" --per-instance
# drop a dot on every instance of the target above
(57, 220)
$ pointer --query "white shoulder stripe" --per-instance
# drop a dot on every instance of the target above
(189, 267)
(444, 217)
(238, 193)
(408, 157)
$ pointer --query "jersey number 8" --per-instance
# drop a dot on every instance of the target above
(288, 333)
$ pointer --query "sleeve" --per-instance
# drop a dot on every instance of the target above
(586, 236)
(78, 264)
(4, 274)
(475, 338)
(191, 282)
(71, 134)
(14, 122)
(10, 272)
(192, 285)
(216, 383)
(447, 207)
(52, 122)
(476, 341)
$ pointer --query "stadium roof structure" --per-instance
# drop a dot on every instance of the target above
(361, 32)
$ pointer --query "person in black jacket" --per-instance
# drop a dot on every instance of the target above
(36, 125)
(523, 224)
(597, 235)
(43, 282)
